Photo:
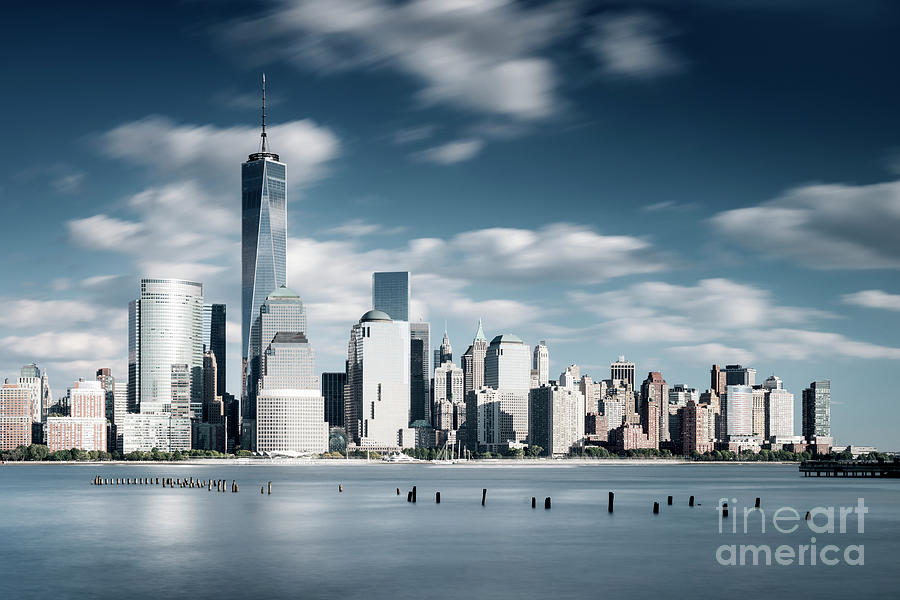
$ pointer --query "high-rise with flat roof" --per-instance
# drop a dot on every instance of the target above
(16, 408)
(737, 406)
(391, 293)
(333, 393)
(817, 410)
(419, 371)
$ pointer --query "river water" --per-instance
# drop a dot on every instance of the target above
(61, 537)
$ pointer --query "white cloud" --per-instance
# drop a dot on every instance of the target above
(63, 345)
(23, 313)
(69, 183)
(711, 353)
(451, 152)
(873, 299)
(173, 222)
(359, 228)
(798, 344)
(411, 135)
(164, 145)
(633, 44)
(823, 226)
(482, 56)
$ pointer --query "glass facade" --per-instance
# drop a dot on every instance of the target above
(333, 392)
(165, 329)
(263, 240)
(419, 372)
(817, 409)
(390, 293)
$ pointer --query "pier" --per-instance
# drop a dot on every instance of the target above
(836, 468)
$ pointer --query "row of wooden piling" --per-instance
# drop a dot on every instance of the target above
(411, 497)
(171, 482)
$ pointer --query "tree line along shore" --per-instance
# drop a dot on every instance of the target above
(41, 453)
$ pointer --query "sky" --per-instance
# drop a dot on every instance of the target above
(682, 183)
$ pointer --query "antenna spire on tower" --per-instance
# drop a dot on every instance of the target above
(264, 145)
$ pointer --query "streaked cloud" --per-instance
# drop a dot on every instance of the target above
(483, 56)
(633, 44)
(836, 226)
(873, 299)
(188, 150)
(452, 152)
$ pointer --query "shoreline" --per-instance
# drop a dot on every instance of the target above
(490, 462)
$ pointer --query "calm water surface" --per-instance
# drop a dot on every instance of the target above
(63, 538)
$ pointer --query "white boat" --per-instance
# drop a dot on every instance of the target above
(399, 458)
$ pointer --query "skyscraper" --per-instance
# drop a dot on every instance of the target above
(556, 417)
(290, 415)
(622, 369)
(263, 238)
(16, 408)
(391, 293)
(740, 375)
(165, 329)
(108, 383)
(817, 410)
(333, 392)
(419, 372)
(473, 361)
(541, 363)
(446, 350)
(85, 427)
(281, 312)
(655, 389)
(737, 407)
(717, 380)
(377, 400)
(216, 343)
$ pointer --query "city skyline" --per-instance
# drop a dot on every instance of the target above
(594, 283)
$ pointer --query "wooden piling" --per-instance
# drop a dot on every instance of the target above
(483, 495)
(757, 502)
(669, 501)
(808, 516)
(437, 497)
(725, 510)
(262, 489)
(533, 502)
(691, 501)
(414, 493)
(409, 496)
(547, 502)
(398, 491)
(656, 508)
(340, 487)
(612, 497)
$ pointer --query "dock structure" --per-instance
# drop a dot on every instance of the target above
(847, 468)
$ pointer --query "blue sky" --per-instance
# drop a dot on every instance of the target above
(683, 183)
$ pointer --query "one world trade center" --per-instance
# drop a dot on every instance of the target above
(263, 239)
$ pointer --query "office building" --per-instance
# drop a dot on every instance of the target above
(377, 400)
(759, 411)
(165, 329)
(333, 393)
(216, 343)
(391, 294)
(145, 431)
(717, 380)
(655, 389)
(496, 419)
(263, 243)
(737, 410)
(445, 353)
(695, 428)
(16, 416)
(779, 414)
(108, 383)
(419, 372)
(473, 361)
(571, 377)
(622, 369)
(85, 427)
(556, 419)
(739, 375)
(540, 363)
(816, 416)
